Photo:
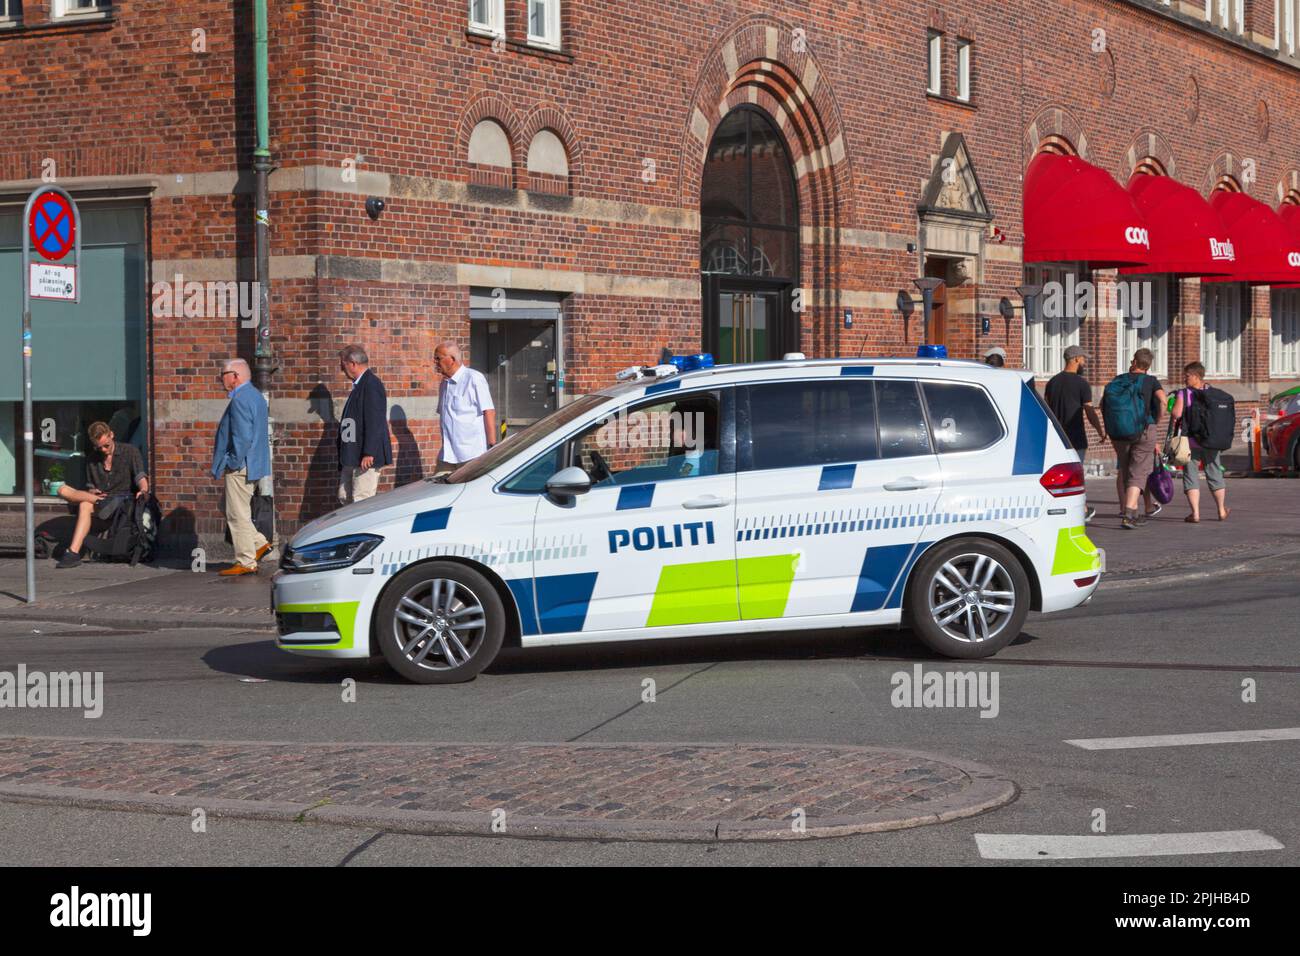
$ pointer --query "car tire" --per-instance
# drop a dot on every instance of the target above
(440, 623)
(968, 598)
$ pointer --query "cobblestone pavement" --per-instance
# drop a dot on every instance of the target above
(688, 791)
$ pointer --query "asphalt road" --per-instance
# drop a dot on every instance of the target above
(1153, 658)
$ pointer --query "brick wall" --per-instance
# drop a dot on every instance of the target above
(391, 91)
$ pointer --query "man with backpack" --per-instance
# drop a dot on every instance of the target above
(1130, 407)
(1208, 417)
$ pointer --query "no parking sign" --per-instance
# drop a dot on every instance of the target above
(54, 234)
(53, 231)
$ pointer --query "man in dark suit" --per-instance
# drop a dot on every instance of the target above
(363, 444)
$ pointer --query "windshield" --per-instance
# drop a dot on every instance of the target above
(535, 434)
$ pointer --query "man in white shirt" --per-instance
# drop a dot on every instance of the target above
(465, 410)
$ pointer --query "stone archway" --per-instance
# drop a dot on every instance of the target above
(769, 66)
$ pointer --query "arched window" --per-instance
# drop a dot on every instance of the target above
(490, 159)
(548, 164)
(749, 214)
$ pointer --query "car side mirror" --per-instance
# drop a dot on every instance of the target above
(568, 482)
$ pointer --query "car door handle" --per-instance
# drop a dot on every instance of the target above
(907, 484)
(706, 501)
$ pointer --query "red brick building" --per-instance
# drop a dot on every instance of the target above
(570, 185)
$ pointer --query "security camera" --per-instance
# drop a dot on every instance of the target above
(374, 207)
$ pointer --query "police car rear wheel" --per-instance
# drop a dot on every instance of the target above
(440, 623)
(968, 599)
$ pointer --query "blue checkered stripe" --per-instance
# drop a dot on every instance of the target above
(854, 520)
(495, 554)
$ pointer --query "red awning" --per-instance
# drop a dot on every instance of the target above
(1187, 236)
(1268, 253)
(1074, 210)
(1290, 216)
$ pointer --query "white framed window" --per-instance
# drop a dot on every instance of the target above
(11, 10)
(963, 69)
(934, 65)
(1056, 324)
(1222, 304)
(488, 16)
(1286, 25)
(1155, 336)
(1284, 345)
(544, 23)
(74, 8)
(1227, 14)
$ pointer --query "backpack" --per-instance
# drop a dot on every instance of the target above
(1125, 407)
(1211, 418)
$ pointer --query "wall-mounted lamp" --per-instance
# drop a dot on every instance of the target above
(927, 285)
(375, 207)
(1029, 295)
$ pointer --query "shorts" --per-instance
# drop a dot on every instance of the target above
(1134, 458)
(1213, 470)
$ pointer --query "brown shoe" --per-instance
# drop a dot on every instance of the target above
(236, 569)
(262, 551)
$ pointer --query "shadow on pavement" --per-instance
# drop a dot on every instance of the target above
(262, 659)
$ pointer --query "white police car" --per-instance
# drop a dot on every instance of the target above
(779, 496)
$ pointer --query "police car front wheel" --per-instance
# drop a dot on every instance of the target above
(968, 598)
(440, 623)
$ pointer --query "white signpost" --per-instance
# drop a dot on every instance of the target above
(52, 231)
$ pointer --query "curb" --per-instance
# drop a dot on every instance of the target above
(95, 616)
(1239, 561)
(987, 792)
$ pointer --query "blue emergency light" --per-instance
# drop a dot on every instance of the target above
(932, 351)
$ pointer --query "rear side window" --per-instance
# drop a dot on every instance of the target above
(822, 422)
(961, 417)
(903, 431)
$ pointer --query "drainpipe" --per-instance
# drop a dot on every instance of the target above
(264, 360)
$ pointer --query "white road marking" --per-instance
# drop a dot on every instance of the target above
(1027, 846)
(1187, 740)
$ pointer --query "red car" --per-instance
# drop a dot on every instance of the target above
(1281, 435)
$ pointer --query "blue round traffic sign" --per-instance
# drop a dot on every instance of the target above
(52, 226)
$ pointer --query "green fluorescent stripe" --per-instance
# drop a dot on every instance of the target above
(695, 594)
(1074, 552)
(765, 585)
(345, 618)
(706, 592)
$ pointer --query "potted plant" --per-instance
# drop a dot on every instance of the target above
(54, 479)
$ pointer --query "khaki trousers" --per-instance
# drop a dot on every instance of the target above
(357, 485)
(445, 467)
(239, 517)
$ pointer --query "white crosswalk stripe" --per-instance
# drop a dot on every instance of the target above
(1028, 846)
(1186, 740)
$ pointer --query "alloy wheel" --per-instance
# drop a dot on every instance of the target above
(438, 624)
(971, 598)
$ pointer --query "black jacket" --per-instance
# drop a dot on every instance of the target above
(367, 411)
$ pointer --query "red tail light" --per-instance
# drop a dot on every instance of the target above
(1061, 481)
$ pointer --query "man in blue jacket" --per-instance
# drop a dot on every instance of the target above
(363, 443)
(242, 455)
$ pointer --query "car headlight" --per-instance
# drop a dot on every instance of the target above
(329, 555)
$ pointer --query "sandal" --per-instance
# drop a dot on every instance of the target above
(1192, 519)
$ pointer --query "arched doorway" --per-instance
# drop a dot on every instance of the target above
(749, 241)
